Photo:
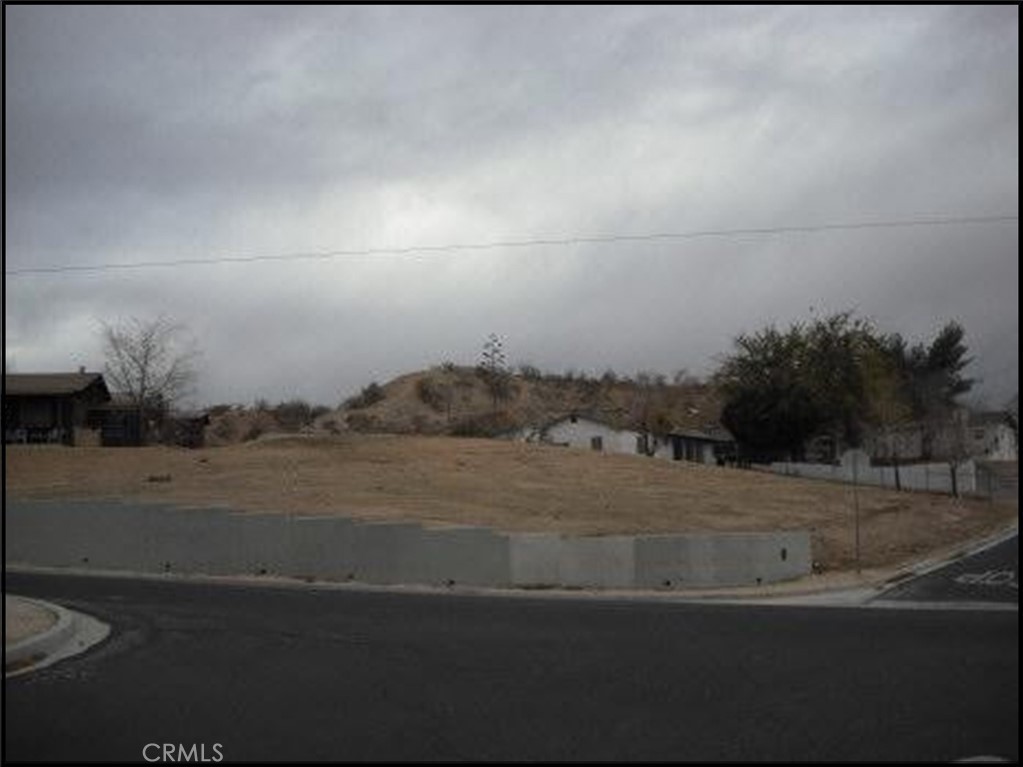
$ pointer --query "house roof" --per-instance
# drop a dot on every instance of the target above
(710, 434)
(51, 384)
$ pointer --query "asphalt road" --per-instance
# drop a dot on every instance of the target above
(991, 575)
(261, 672)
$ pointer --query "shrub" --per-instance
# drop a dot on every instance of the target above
(223, 430)
(254, 431)
(484, 425)
(293, 415)
(370, 395)
(361, 422)
(433, 394)
(530, 372)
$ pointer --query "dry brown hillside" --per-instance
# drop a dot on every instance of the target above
(458, 401)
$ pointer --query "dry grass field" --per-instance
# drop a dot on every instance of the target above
(512, 487)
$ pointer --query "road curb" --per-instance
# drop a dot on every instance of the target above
(73, 633)
(44, 643)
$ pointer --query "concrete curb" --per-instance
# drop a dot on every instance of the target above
(46, 642)
(72, 634)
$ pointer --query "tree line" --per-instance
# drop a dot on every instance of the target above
(838, 378)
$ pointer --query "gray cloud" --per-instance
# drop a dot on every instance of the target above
(146, 133)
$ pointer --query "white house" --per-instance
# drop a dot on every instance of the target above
(988, 437)
(590, 433)
(582, 432)
(981, 435)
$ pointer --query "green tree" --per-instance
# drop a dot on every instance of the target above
(837, 350)
(933, 378)
(889, 406)
(838, 377)
(769, 403)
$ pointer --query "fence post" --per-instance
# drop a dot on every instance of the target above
(856, 507)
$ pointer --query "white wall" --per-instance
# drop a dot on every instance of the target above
(992, 442)
(581, 433)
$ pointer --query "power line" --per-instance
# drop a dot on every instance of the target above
(542, 242)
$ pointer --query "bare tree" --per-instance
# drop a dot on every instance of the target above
(150, 363)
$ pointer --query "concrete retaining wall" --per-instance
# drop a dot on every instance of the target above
(144, 538)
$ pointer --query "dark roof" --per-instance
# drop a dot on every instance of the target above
(712, 433)
(51, 384)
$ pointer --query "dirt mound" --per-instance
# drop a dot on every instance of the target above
(465, 401)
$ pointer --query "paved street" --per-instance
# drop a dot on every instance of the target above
(988, 576)
(298, 673)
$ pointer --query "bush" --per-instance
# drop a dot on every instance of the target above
(293, 415)
(223, 430)
(370, 395)
(432, 394)
(588, 388)
(485, 425)
(530, 372)
(362, 422)
(254, 431)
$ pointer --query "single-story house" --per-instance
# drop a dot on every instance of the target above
(52, 407)
(118, 421)
(584, 431)
(711, 445)
(984, 435)
(989, 437)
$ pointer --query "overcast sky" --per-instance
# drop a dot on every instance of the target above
(141, 134)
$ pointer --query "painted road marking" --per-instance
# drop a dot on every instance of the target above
(1008, 578)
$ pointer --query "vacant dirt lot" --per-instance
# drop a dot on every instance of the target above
(512, 487)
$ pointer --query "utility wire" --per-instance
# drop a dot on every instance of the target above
(552, 242)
